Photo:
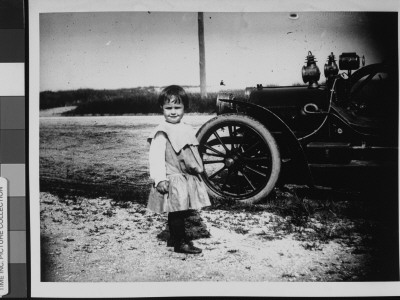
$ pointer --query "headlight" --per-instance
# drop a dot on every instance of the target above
(223, 106)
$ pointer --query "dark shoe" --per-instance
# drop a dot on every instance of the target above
(186, 248)
(193, 247)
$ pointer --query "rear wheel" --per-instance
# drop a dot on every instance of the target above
(240, 156)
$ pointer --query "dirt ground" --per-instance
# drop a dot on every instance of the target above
(95, 240)
(113, 238)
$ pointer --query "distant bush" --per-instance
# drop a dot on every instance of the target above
(119, 102)
(141, 100)
(50, 99)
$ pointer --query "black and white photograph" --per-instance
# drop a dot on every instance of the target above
(225, 146)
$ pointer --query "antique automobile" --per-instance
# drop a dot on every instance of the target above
(313, 134)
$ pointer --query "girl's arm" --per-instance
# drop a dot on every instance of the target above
(157, 158)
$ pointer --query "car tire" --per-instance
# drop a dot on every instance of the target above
(241, 158)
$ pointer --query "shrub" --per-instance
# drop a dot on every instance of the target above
(141, 100)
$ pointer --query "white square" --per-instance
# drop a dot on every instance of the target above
(12, 79)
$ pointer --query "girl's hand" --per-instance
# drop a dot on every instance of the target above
(162, 187)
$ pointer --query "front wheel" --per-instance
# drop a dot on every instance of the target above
(240, 156)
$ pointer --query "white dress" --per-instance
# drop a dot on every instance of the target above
(174, 157)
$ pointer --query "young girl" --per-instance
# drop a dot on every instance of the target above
(175, 168)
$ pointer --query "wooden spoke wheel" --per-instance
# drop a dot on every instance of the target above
(240, 156)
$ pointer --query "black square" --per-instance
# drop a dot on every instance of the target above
(12, 45)
(12, 14)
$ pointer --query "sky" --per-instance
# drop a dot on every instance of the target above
(111, 50)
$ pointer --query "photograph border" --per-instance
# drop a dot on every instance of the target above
(171, 289)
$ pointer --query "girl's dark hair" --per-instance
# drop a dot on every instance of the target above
(173, 94)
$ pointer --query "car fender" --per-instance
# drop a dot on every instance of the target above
(267, 117)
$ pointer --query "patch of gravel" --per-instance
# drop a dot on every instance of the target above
(92, 240)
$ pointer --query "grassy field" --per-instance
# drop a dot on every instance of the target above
(98, 156)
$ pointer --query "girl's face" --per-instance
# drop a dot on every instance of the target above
(173, 112)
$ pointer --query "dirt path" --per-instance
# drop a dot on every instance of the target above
(55, 112)
(91, 240)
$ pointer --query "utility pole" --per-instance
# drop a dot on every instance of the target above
(203, 87)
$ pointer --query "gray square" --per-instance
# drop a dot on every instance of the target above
(16, 213)
(12, 112)
(18, 281)
(17, 248)
(12, 146)
(15, 175)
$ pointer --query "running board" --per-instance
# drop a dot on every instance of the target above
(325, 145)
(356, 164)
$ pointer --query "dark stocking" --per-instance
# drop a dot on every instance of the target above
(176, 223)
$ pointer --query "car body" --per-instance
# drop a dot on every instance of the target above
(315, 134)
